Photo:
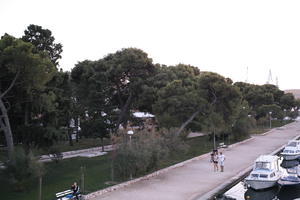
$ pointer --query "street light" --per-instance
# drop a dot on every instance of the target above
(130, 133)
(285, 118)
(270, 113)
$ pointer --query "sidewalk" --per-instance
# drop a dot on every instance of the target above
(90, 152)
(196, 180)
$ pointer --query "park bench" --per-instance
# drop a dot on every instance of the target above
(222, 145)
(62, 195)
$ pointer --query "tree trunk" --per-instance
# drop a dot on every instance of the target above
(40, 187)
(4, 121)
(70, 131)
(77, 130)
(5, 126)
(26, 114)
(195, 114)
(182, 127)
(102, 143)
(82, 179)
(123, 111)
(112, 173)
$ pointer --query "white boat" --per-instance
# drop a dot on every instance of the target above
(265, 174)
(292, 150)
(290, 176)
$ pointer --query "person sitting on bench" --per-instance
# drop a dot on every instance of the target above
(75, 189)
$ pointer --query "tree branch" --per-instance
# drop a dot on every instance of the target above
(191, 118)
(11, 85)
(2, 125)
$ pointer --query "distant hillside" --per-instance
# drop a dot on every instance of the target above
(296, 92)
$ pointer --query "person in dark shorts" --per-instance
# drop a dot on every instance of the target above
(214, 159)
(75, 189)
(215, 162)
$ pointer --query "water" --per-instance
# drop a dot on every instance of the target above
(240, 192)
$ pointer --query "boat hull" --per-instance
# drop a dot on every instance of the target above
(261, 184)
(290, 157)
(286, 183)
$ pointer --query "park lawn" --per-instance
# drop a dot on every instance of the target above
(275, 123)
(60, 176)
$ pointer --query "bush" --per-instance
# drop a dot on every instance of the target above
(145, 152)
(175, 144)
(242, 128)
(23, 168)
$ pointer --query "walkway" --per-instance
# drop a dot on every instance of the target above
(90, 152)
(196, 180)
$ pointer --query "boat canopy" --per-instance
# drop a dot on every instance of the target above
(293, 143)
(267, 158)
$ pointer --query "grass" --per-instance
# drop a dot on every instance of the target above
(60, 176)
(266, 127)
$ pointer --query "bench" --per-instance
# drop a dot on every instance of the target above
(222, 145)
(62, 195)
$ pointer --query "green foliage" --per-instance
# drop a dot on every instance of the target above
(35, 136)
(287, 101)
(214, 96)
(115, 83)
(32, 70)
(95, 128)
(221, 115)
(25, 167)
(267, 98)
(277, 112)
(178, 98)
(243, 125)
(43, 41)
(35, 67)
(145, 152)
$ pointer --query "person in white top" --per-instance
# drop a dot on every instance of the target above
(221, 161)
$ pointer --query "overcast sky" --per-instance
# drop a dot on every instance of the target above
(220, 36)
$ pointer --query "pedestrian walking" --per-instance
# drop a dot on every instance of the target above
(221, 160)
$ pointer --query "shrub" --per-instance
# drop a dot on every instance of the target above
(145, 152)
(242, 128)
(22, 169)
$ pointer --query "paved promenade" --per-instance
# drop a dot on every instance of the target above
(196, 180)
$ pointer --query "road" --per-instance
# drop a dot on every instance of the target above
(197, 180)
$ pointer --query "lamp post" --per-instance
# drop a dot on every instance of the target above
(130, 133)
(285, 118)
(270, 114)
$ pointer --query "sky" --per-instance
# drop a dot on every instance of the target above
(223, 36)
